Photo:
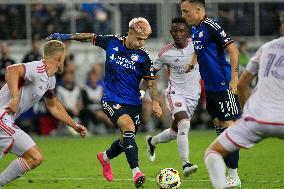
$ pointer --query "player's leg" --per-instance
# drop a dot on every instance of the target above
(116, 147)
(130, 147)
(182, 126)
(29, 157)
(242, 134)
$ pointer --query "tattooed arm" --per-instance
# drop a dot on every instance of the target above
(83, 37)
(152, 86)
(234, 61)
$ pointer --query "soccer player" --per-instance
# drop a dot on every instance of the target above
(127, 62)
(263, 110)
(181, 95)
(26, 85)
(220, 77)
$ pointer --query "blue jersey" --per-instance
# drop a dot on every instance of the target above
(209, 41)
(124, 69)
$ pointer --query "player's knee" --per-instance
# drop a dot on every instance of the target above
(183, 127)
(125, 123)
(34, 158)
(225, 123)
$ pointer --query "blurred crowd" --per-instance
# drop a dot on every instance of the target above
(237, 18)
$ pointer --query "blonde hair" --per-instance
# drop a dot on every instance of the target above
(140, 25)
(50, 48)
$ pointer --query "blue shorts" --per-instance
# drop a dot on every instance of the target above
(114, 110)
(223, 105)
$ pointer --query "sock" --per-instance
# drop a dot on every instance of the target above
(14, 170)
(135, 170)
(115, 149)
(130, 149)
(182, 140)
(164, 136)
(216, 168)
(233, 173)
(232, 160)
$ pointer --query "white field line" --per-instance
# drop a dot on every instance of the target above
(151, 180)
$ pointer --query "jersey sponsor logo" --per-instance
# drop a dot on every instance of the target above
(35, 97)
(197, 45)
(178, 104)
(134, 57)
(117, 106)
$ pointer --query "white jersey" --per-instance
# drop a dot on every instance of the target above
(266, 104)
(35, 84)
(181, 83)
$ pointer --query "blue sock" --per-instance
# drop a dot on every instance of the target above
(232, 160)
(130, 149)
(115, 149)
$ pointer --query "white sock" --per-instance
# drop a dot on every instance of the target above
(233, 173)
(182, 140)
(164, 136)
(135, 170)
(216, 168)
(14, 170)
(105, 158)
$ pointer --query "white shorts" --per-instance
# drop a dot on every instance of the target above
(245, 134)
(177, 103)
(12, 138)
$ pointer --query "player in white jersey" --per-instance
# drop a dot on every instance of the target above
(26, 85)
(263, 110)
(181, 95)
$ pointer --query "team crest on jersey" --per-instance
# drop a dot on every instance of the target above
(134, 57)
(178, 104)
(200, 34)
(117, 106)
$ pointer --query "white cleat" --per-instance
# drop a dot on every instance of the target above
(150, 148)
(234, 182)
(188, 169)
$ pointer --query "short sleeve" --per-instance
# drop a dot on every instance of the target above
(253, 64)
(103, 40)
(218, 34)
(148, 69)
(30, 71)
(51, 92)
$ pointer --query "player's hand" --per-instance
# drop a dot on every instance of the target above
(13, 105)
(80, 129)
(188, 67)
(58, 36)
(233, 86)
(157, 109)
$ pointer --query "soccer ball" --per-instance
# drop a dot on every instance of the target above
(168, 178)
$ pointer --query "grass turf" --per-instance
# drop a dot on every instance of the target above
(70, 163)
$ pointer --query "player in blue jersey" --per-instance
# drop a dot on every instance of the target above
(127, 62)
(220, 77)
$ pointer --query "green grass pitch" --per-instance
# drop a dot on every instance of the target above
(70, 163)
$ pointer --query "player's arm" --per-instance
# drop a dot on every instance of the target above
(83, 37)
(234, 61)
(243, 87)
(58, 111)
(152, 87)
(14, 74)
(190, 66)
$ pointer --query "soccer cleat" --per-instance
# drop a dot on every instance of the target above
(107, 172)
(139, 180)
(234, 182)
(188, 169)
(150, 148)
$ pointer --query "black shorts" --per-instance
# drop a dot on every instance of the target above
(114, 110)
(223, 105)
